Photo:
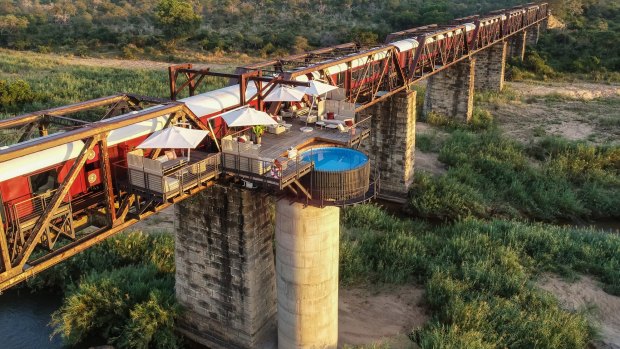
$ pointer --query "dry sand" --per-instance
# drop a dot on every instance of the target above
(579, 90)
(576, 111)
(586, 293)
(384, 316)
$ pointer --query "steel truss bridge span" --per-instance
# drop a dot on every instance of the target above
(43, 227)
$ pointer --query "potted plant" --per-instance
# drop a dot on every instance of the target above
(258, 132)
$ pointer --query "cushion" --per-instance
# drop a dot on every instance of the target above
(171, 154)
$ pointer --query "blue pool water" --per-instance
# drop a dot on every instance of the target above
(335, 159)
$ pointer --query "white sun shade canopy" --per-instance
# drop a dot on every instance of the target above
(174, 138)
(246, 116)
(284, 93)
(317, 88)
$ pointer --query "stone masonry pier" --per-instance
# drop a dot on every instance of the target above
(517, 44)
(491, 68)
(451, 91)
(225, 275)
(391, 147)
(533, 34)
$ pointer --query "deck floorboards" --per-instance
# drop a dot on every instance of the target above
(275, 146)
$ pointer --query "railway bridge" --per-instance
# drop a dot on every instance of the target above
(75, 176)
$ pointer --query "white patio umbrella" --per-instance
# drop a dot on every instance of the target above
(317, 89)
(174, 138)
(246, 116)
(284, 93)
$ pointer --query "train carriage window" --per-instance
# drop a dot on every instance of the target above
(44, 181)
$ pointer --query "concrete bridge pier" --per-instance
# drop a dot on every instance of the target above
(307, 252)
(451, 91)
(516, 45)
(225, 274)
(491, 68)
(391, 146)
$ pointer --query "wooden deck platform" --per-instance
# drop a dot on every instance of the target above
(269, 163)
(275, 146)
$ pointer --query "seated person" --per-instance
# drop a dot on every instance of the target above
(276, 169)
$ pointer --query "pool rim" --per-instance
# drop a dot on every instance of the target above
(306, 150)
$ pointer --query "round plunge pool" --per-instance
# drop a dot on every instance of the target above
(339, 174)
(335, 159)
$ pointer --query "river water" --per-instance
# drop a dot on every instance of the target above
(24, 319)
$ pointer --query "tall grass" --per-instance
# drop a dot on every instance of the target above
(490, 175)
(61, 83)
(477, 276)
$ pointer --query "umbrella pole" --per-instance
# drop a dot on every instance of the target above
(310, 111)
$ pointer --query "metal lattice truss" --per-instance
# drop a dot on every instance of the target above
(371, 75)
(55, 222)
(75, 115)
(365, 77)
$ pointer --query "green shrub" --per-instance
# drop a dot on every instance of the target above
(131, 307)
(120, 292)
(444, 198)
(477, 277)
(491, 175)
(135, 248)
(481, 119)
(424, 142)
(14, 95)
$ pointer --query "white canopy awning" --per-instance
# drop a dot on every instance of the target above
(174, 138)
(284, 93)
(246, 116)
(317, 88)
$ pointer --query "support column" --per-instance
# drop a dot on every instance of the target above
(533, 34)
(451, 91)
(307, 247)
(516, 45)
(491, 67)
(391, 147)
(544, 25)
(225, 275)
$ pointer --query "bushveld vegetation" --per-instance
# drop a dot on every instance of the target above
(157, 29)
(31, 82)
(478, 276)
(120, 292)
(477, 266)
(492, 176)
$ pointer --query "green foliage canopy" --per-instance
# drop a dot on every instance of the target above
(177, 19)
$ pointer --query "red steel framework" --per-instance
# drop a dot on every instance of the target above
(367, 76)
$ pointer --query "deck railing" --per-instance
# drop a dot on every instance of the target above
(22, 216)
(169, 184)
(360, 131)
(280, 172)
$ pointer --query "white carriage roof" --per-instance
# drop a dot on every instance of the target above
(40, 160)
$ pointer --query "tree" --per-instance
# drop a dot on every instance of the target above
(177, 19)
(10, 24)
